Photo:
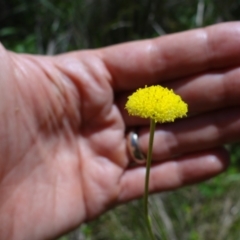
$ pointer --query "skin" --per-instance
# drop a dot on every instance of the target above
(63, 154)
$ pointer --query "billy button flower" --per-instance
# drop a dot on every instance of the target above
(160, 105)
(157, 103)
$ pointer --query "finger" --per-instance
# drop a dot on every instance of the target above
(193, 134)
(204, 92)
(211, 91)
(173, 174)
(139, 63)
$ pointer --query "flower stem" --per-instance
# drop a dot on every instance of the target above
(149, 160)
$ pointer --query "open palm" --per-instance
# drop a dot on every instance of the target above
(63, 154)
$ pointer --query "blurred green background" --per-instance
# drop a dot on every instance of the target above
(206, 211)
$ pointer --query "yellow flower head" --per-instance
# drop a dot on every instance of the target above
(157, 103)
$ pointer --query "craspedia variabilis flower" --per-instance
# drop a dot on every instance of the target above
(157, 103)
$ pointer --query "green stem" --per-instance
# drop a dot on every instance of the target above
(149, 160)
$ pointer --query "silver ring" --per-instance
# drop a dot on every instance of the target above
(134, 149)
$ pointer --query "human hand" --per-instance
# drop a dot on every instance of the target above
(63, 147)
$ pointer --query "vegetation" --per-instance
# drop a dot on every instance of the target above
(210, 210)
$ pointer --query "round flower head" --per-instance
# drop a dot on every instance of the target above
(157, 103)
